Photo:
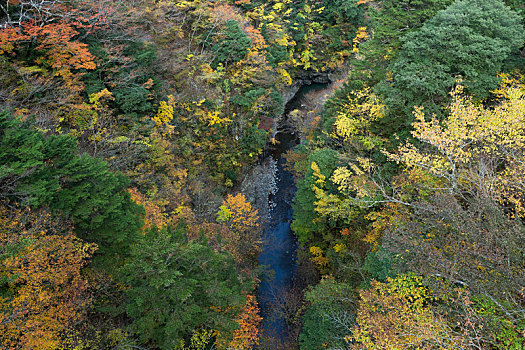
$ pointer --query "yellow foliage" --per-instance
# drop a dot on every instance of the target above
(41, 267)
(340, 248)
(330, 205)
(353, 122)
(104, 95)
(215, 118)
(389, 217)
(355, 178)
(318, 257)
(243, 238)
(317, 173)
(224, 214)
(287, 79)
(90, 120)
(164, 114)
(397, 315)
(465, 148)
(361, 36)
(341, 177)
(242, 215)
(200, 339)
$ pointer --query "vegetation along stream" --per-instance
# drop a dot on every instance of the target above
(279, 253)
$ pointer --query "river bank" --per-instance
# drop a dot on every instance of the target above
(280, 291)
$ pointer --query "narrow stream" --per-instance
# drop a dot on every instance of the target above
(279, 254)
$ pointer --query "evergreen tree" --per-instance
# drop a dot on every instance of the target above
(45, 171)
(470, 40)
(233, 46)
(178, 285)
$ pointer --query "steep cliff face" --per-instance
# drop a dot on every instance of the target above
(308, 78)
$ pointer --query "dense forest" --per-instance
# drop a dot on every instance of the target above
(137, 178)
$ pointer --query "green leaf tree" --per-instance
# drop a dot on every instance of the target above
(470, 40)
(330, 316)
(177, 286)
(306, 221)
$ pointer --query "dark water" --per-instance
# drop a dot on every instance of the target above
(279, 254)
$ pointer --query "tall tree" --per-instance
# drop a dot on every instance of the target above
(177, 286)
(457, 212)
(470, 39)
(397, 315)
(247, 336)
(233, 46)
(40, 170)
(464, 189)
(244, 238)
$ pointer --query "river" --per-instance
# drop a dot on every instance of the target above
(279, 253)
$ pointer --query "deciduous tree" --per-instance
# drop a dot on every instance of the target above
(244, 240)
(42, 290)
(247, 336)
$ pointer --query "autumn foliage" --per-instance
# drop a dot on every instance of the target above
(55, 41)
(43, 293)
(396, 315)
(244, 237)
(128, 131)
(154, 216)
(247, 336)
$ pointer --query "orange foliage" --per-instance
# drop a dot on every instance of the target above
(154, 215)
(243, 216)
(43, 290)
(222, 13)
(63, 53)
(258, 41)
(51, 27)
(8, 37)
(58, 49)
(247, 336)
(244, 237)
(345, 232)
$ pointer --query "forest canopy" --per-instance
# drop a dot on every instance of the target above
(142, 150)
